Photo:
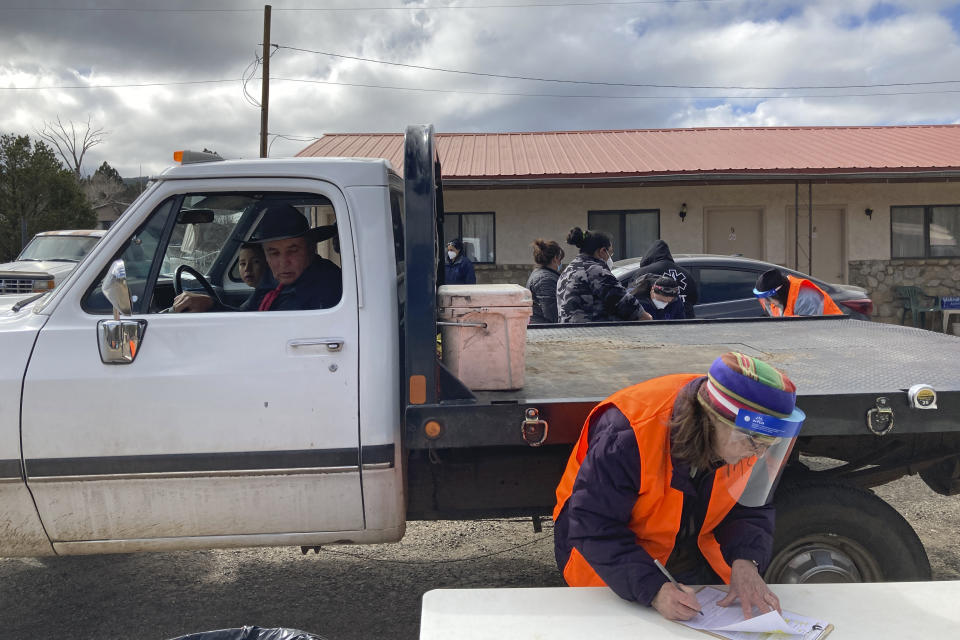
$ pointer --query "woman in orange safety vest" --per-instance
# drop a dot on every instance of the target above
(679, 469)
(786, 295)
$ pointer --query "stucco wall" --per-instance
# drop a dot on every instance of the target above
(523, 214)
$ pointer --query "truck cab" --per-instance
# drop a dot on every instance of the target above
(214, 429)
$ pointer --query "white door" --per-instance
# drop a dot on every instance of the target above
(734, 231)
(821, 244)
(240, 424)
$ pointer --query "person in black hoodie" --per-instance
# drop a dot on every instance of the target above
(659, 261)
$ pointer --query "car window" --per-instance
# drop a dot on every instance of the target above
(721, 285)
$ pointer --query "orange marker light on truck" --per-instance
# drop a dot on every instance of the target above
(432, 429)
(178, 156)
(418, 389)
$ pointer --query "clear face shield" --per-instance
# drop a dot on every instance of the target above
(770, 304)
(756, 447)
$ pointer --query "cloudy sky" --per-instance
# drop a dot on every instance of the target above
(162, 75)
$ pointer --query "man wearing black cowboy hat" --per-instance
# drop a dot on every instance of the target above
(300, 278)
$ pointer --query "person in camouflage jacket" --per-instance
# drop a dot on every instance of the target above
(587, 291)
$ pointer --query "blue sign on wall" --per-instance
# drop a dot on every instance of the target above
(950, 302)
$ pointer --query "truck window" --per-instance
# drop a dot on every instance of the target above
(205, 234)
(396, 213)
(138, 256)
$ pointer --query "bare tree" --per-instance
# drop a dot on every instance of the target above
(69, 143)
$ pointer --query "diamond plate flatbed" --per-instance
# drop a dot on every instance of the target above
(842, 368)
(822, 356)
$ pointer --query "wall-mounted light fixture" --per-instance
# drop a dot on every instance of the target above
(869, 212)
(683, 211)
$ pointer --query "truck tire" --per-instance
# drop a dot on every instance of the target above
(834, 532)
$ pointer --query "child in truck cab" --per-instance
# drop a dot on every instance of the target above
(251, 263)
(300, 279)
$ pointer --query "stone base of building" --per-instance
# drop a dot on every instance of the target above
(935, 276)
(503, 273)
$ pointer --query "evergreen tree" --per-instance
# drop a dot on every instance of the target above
(36, 194)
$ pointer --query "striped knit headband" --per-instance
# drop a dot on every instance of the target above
(737, 381)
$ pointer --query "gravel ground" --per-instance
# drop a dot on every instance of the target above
(342, 593)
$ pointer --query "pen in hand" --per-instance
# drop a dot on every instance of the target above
(672, 580)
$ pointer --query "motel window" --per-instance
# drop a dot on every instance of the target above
(633, 230)
(477, 231)
(931, 231)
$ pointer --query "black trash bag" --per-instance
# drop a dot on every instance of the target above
(251, 633)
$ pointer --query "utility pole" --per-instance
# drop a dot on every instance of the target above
(265, 83)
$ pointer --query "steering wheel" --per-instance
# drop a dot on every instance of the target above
(207, 287)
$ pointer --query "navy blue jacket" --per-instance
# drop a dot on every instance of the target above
(673, 311)
(460, 271)
(596, 517)
(318, 287)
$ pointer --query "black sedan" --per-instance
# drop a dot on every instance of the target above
(726, 285)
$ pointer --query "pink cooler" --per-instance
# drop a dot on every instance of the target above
(484, 333)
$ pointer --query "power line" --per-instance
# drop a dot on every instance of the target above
(525, 5)
(618, 84)
(616, 97)
(248, 77)
(293, 138)
(120, 86)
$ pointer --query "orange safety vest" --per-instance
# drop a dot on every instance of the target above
(655, 518)
(830, 308)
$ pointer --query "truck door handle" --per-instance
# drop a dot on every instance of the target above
(333, 345)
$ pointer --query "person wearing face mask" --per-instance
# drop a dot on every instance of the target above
(458, 268)
(660, 297)
(543, 280)
(785, 295)
(680, 469)
(659, 261)
(587, 291)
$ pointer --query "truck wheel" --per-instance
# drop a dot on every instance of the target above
(832, 532)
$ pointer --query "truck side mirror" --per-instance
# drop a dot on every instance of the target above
(119, 340)
(114, 287)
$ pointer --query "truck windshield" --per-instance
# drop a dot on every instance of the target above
(58, 248)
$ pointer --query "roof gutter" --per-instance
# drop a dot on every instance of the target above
(708, 178)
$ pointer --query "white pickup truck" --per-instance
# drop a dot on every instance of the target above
(44, 263)
(159, 431)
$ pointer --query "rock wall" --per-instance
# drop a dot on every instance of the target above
(935, 276)
(503, 273)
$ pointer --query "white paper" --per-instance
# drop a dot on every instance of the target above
(729, 621)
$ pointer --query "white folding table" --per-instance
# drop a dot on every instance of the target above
(874, 611)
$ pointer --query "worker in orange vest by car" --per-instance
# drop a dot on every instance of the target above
(679, 469)
(786, 295)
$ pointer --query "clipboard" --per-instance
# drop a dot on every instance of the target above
(810, 628)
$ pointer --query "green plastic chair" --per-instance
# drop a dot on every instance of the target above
(917, 303)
